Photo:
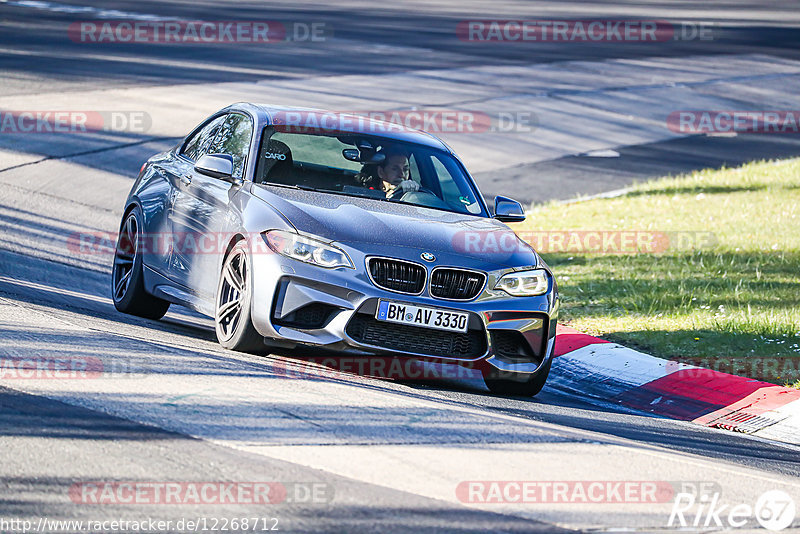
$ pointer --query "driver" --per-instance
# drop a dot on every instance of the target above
(393, 173)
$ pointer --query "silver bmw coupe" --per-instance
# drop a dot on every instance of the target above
(298, 227)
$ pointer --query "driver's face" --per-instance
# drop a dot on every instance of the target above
(395, 170)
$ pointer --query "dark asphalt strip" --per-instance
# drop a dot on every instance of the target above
(581, 175)
(58, 446)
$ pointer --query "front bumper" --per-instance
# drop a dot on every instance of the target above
(304, 304)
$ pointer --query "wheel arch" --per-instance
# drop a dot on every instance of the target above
(235, 239)
(132, 204)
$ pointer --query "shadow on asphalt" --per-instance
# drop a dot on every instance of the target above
(89, 442)
(576, 176)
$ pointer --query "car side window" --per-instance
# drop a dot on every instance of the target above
(452, 189)
(200, 141)
(233, 138)
(413, 169)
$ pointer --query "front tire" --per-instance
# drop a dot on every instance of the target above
(499, 382)
(232, 317)
(127, 280)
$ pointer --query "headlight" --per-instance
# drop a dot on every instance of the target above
(306, 249)
(524, 283)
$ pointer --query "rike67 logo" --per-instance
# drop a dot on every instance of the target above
(774, 510)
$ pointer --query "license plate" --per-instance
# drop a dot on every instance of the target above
(399, 312)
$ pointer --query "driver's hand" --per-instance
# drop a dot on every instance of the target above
(408, 186)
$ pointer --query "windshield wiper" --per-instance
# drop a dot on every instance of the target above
(309, 188)
(292, 186)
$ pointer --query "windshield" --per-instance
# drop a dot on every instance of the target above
(366, 166)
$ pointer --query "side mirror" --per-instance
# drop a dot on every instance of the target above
(508, 210)
(217, 166)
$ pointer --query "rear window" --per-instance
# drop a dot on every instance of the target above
(317, 150)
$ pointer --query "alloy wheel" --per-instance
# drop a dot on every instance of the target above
(232, 294)
(125, 257)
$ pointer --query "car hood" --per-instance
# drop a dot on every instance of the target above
(400, 230)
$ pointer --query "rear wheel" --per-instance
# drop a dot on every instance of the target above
(234, 325)
(127, 281)
(502, 383)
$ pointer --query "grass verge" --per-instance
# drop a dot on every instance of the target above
(709, 271)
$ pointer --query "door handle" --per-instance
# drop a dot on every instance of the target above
(186, 179)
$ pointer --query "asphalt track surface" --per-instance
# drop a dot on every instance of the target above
(388, 453)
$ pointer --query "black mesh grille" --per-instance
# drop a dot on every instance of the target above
(512, 346)
(456, 284)
(311, 316)
(404, 338)
(395, 275)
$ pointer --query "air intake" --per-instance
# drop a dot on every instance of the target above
(397, 275)
(456, 284)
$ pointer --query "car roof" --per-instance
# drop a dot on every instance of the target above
(357, 124)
